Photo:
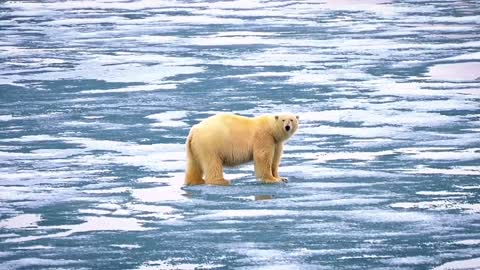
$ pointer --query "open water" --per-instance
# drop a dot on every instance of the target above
(97, 97)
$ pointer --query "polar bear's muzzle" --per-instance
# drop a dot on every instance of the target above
(287, 128)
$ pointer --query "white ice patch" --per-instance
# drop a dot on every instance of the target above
(324, 157)
(464, 57)
(37, 247)
(468, 187)
(245, 213)
(157, 211)
(171, 264)
(323, 77)
(27, 178)
(439, 205)
(91, 224)
(157, 157)
(170, 190)
(312, 171)
(330, 185)
(97, 212)
(408, 107)
(460, 265)
(137, 88)
(126, 246)
(21, 221)
(442, 193)
(468, 71)
(31, 138)
(376, 6)
(159, 194)
(413, 260)
(6, 117)
(440, 154)
(385, 216)
(469, 242)
(33, 263)
(388, 87)
(42, 154)
(168, 119)
(376, 142)
(93, 117)
(360, 132)
(455, 170)
(108, 191)
(128, 68)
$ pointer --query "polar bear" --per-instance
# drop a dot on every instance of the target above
(230, 140)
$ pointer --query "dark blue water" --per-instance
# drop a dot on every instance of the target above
(97, 97)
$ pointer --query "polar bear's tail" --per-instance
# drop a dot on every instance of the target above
(194, 172)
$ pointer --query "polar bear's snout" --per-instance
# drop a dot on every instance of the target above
(287, 128)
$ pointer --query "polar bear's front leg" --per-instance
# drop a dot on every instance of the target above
(276, 161)
(263, 154)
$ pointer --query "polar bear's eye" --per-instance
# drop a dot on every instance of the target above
(283, 120)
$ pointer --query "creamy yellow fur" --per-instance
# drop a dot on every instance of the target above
(230, 140)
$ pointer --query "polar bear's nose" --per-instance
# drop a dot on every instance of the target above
(287, 128)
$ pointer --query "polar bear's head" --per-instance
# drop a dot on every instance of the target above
(286, 125)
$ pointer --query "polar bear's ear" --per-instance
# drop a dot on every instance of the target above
(276, 117)
(298, 117)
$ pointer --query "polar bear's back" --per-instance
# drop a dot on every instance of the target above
(227, 136)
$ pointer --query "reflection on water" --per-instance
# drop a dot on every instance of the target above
(263, 197)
